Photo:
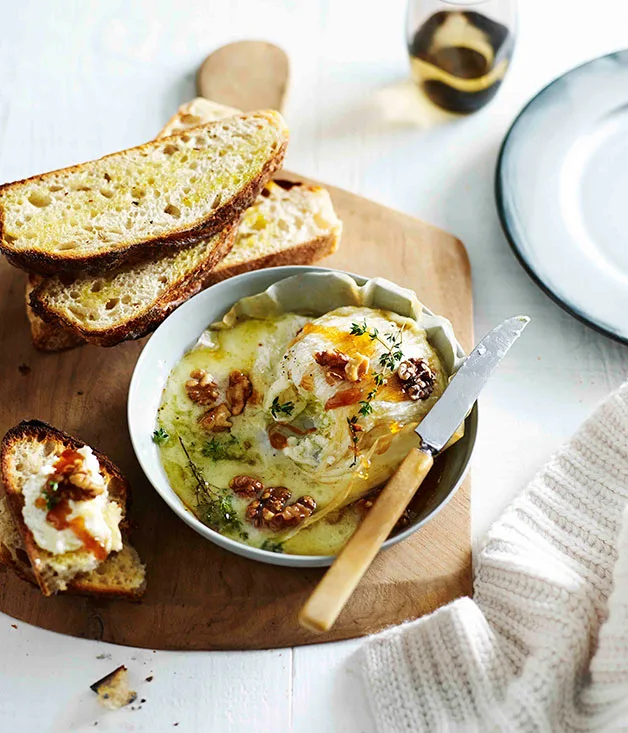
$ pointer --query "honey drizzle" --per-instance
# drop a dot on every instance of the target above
(58, 515)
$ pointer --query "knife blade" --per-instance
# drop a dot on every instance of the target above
(453, 405)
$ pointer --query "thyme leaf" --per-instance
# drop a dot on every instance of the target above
(271, 546)
(359, 329)
(160, 436)
(50, 495)
(285, 408)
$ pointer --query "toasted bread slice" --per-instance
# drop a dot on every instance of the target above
(131, 301)
(289, 224)
(50, 335)
(128, 206)
(25, 449)
(199, 111)
(121, 575)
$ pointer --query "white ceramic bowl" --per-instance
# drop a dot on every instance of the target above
(177, 335)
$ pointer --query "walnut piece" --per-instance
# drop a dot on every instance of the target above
(201, 388)
(73, 481)
(238, 392)
(273, 511)
(340, 367)
(357, 367)
(83, 481)
(293, 514)
(216, 420)
(246, 486)
(273, 500)
(334, 363)
(417, 379)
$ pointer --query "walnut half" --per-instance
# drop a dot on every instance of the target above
(273, 511)
(246, 486)
(238, 391)
(216, 420)
(334, 363)
(417, 379)
(201, 388)
(294, 514)
(340, 367)
(260, 511)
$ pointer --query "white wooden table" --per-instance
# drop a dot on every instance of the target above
(80, 79)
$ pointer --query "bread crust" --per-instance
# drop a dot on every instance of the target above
(86, 585)
(38, 431)
(302, 254)
(148, 321)
(50, 263)
(47, 336)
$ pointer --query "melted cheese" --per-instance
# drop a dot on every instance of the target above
(318, 458)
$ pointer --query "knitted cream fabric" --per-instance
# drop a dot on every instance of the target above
(544, 644)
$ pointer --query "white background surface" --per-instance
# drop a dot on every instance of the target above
(80, 79)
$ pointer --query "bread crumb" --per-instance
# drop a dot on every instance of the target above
(149, 678)
(113, 689)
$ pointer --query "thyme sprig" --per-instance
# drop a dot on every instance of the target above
(203, 487)
(389, 361)
(214, 506)
(391, 342)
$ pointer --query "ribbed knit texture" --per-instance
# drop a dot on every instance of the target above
(544, 644)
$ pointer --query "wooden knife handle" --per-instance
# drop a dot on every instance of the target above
(330, 596)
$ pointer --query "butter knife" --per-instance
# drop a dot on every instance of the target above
(335, 588)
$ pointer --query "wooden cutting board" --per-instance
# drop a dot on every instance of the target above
(200, 596)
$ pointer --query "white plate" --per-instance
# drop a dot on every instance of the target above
(562, 192)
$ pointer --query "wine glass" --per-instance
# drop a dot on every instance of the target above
(460, 50)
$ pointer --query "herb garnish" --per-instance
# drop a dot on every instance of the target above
(222, 450)
(160, 436)
(271, 546)
(50, 495)
(213, 505)
(389, 361)
(219, 514)
(285, 408)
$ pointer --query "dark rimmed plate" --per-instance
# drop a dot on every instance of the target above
(562, 192)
